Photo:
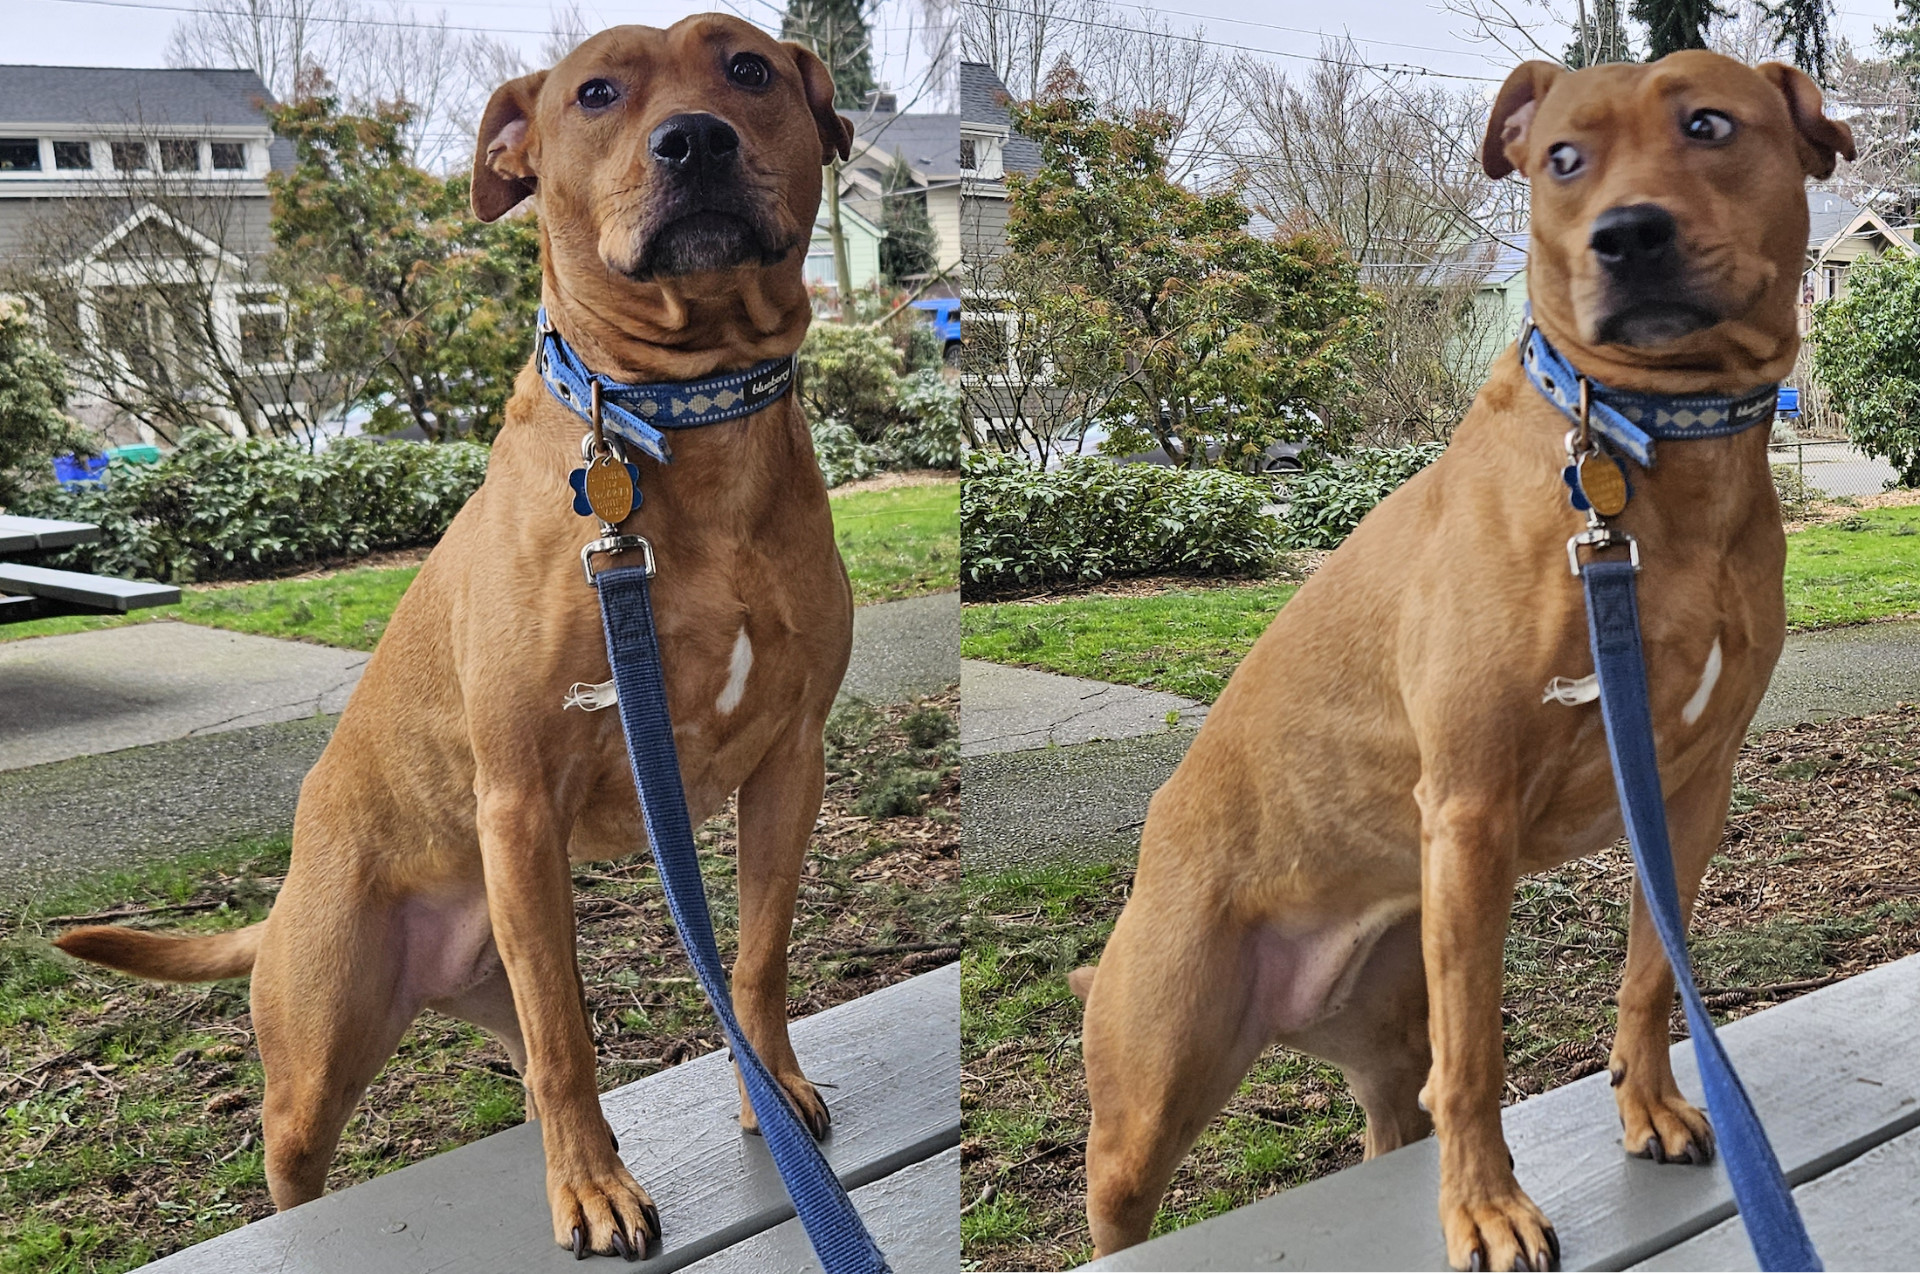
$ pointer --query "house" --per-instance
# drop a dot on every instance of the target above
(863, 250)
(134, 212)
(989, 149)
(1839, 234)
(929, 142)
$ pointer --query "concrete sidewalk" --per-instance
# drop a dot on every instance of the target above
(84, 694)
(1024, 803)
(1006, 709)
(132, 744)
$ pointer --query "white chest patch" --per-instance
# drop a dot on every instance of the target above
(742, 663)
(1708, 676)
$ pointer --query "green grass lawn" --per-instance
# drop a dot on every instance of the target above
(1188, 642)
(1866, 566)
(900, 542)
(896, 543)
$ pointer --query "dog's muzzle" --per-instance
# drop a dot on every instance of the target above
(702, 217)
(1648, 299)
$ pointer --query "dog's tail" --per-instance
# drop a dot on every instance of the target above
(165, 957)
(1080, 981)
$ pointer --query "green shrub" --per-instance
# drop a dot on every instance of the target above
(1796, 497)
(841, 455)
(224, 507)
(1094, 519)
(850, 373)
(931, 431)
(34, 386)
(1326, 504)
(851, 380)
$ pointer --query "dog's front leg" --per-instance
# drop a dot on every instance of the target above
(1469, 854)
(778, 805)
(595, 1201)
(1656, 1121)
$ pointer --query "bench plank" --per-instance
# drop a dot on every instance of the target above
(1864, 1215)
(914, 1216)
(103, 591)
(43, 533)
(893, 1059)
(1832, 1074)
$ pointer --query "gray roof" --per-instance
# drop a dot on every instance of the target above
(931, 143)
(1827, 215)
(983, 100)
(109, 95)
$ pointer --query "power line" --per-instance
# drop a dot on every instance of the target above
(1274, 26)
(1383, 68)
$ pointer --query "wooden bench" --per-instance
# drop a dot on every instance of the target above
(34, 592)
(1836, 1078)
(892, 1058)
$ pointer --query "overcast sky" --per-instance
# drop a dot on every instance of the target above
(134, 32)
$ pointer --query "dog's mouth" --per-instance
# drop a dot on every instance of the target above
(1643, 323)
(701, 240)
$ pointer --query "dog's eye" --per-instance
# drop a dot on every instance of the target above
(1709, 126)
(749, 70)
(1564, 160)
(597, 95)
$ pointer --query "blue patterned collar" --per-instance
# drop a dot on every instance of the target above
(1632, 421)
(637, 413)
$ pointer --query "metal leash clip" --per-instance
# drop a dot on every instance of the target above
(617, 544)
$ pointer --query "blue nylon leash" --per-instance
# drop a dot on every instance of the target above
(1766, 1204)
(832, 1224)
(1630, 422)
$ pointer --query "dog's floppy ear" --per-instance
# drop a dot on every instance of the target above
(836, 131)
(1821, 139)
(1513, 111)
(501, 175)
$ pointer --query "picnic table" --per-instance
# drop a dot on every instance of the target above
(889, 1064)
(30, 591)
(1835, 1076)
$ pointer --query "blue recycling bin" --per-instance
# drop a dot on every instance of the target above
(1788, 404)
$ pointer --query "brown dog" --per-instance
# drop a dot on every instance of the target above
(677, 174)
(1333, 864)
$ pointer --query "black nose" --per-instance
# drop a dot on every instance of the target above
(1637, 234)
(690, 142)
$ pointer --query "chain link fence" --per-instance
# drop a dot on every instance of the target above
(1832, 467)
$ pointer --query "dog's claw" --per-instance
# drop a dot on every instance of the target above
(651, 1215)
(1553, 1246)
(620, 1246)
(1655, 1149)
(1475, 1261)
(579, 1244)
(614, 1137)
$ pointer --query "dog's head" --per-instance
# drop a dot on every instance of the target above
(1669, 209)
(662, 154)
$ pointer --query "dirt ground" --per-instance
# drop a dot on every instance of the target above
(1818, 879)
(130, 1111)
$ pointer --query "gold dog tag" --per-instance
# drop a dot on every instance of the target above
(1602, 483)
(610, 490)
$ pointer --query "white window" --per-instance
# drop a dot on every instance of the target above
(969, 160)
(229, 157)
(73, 156)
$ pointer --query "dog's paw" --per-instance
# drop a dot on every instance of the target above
(1665, 1128)
(807, 1103)
(1500, 1232)
(605, 1212)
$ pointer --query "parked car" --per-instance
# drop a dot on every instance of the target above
(1279, 457)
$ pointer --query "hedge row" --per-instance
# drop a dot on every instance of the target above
(221, 507)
